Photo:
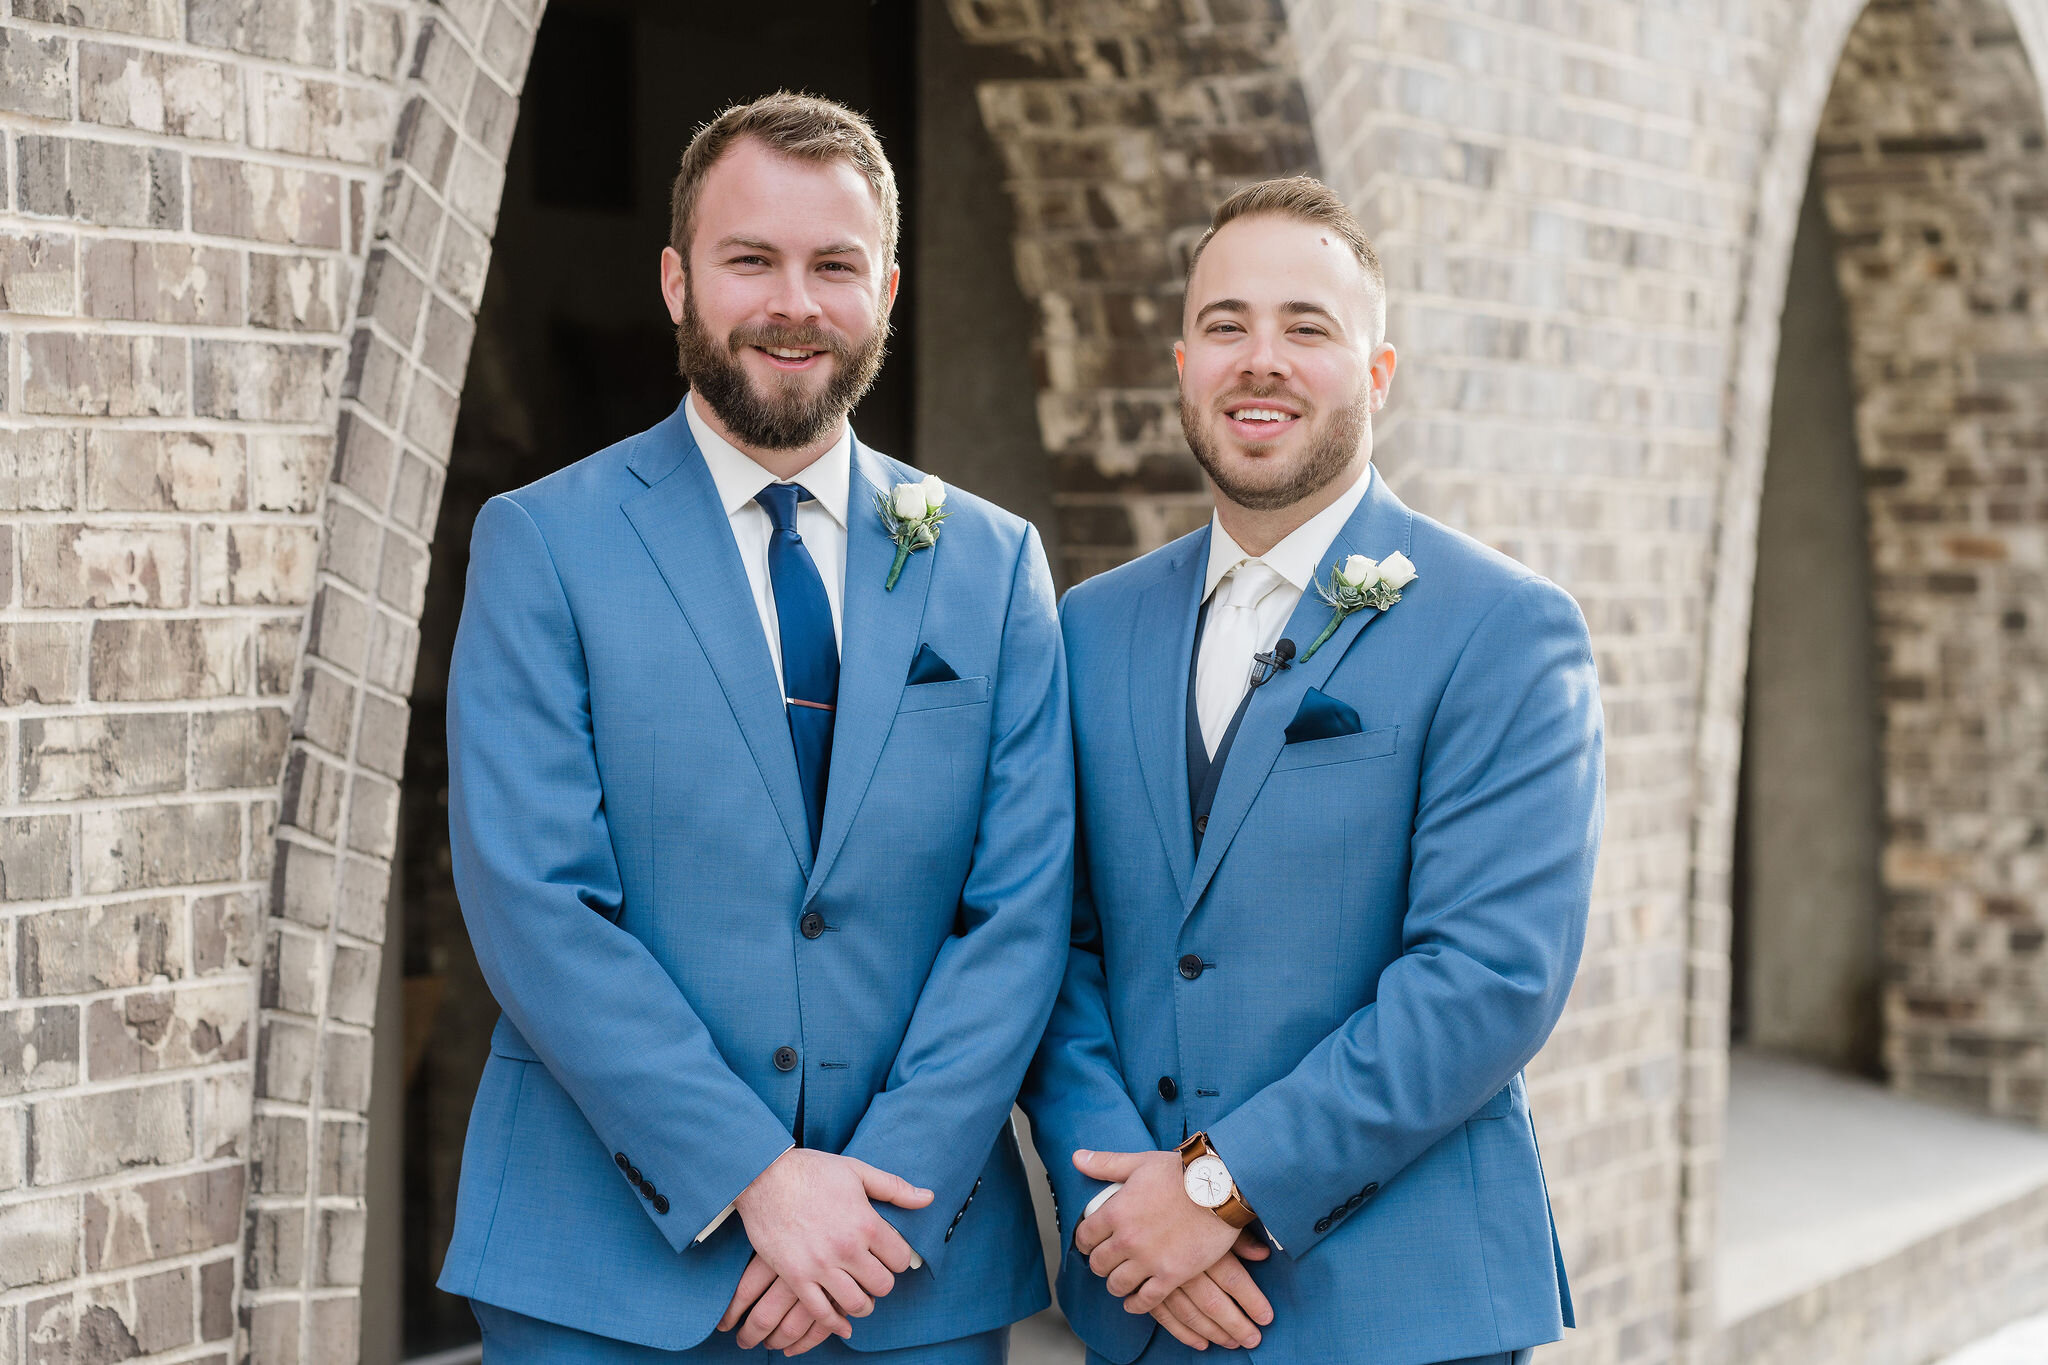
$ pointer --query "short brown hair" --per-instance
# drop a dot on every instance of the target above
(803, 127)
(1309, 200)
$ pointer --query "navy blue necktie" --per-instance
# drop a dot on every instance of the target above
(810, 653)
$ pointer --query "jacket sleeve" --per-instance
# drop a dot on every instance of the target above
(985, 1001)
(1507, 828)
(539, 885)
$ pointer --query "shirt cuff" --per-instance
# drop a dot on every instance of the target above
(727, 1211)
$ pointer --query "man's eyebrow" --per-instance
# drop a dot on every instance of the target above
(1302, 307)
(750, 243)
(1223, 306)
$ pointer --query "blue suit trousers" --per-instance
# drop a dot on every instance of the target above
(514, 1339)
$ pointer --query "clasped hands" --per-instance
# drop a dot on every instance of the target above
(1163, 1254)
(822, 1255)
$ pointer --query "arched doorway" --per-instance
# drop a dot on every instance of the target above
(572, 351)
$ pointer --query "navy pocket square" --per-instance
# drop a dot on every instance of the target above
(928, 667)
(1321, 716)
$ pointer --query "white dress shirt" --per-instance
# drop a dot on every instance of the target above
(821, 521)
(1224, 662)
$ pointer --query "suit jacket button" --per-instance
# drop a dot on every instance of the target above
(661, 1203)
(1191, 966)
(785, 1059)
(812, 924)
(1201, 824)
(1355, 1200)
(1370, 1190)
(1167, 1089)
(626, 1165)
(1322, 1225)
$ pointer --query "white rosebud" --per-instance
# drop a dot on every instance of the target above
(910, 501)
(934, 491)
(1396, 571)
(1358, 571)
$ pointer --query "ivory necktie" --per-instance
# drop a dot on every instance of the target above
(1229, 639)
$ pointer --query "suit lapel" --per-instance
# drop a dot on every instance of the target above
(1378, 527)
(1160, 660)
(683, 525)
(879, 636)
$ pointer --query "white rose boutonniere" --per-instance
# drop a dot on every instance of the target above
(911, 512)
(1360, 583)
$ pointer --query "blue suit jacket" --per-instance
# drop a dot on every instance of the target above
(1389, 921)
(633, 861)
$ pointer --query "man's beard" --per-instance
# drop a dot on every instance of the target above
(1329, 450)
(788, 417)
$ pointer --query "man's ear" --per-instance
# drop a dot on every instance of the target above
(674, 283)
(895, 283)
(1180, 358)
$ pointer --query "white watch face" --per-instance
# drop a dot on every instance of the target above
(1207, 1182)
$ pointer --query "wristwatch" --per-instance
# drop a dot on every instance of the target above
(1207, 1181)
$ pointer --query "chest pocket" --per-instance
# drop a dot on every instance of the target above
(938, 696)
(1317, 753)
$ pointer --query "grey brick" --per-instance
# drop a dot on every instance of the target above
(157, 1219)
(38, 470)
(169, 660)
(259, 562)
(66, 564)
(376, 40)
(217, 1301)
(100, 947)
(76, 1137)
(166, 1030)
(84, 374)
(153, 18)
(165, 845)
(35, 857)
(239, 748)
(352, 988)
(38, 1242)
(289, 473)
(157, 92)
(35, 75)
(38, 1049)
(299, 31)
(381, 746)
(108, 183)
(65, 758)
(163, 1310)
(266, 203)
(326, 119)
(298, 293)
(38, 272)
(256, 381)
(163, 282)
(223, 932)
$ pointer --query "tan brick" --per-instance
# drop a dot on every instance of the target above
(101, 947)
(38, 1241)
(155, 18)
(266, 203)
(163, 1310)
(75, 1137)
(134, 1224)
(257, 562)
(276, 1248)
(89, 375)
(164, 845)
(158, 660)
(163, 282)
(376, 40)
(167, 1030)
(255, 381)
(64, 758)
(165, 471)
(227, 1101)
(65, 564)
(38, 1048)
(301, 31)
(288, 473)
(288, 113)
(13, 1151)
(157, 92)
(38, 470)
(223, 932)
(217, 1301)
(38, 273)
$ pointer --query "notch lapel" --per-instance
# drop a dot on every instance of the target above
(1159, 664)
(1380, 526)
(879, 636)
(683, 524)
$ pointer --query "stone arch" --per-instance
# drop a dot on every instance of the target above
(1807, 94)
(428, 253)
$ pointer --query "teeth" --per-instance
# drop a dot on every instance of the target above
(787, 354)
(1260, 415)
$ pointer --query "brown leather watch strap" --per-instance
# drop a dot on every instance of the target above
(1233, 1210)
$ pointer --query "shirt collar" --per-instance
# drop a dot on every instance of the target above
(1299, 553)
(738, 478)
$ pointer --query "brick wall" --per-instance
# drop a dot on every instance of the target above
(1936, 185)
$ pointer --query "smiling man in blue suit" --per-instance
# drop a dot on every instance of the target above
(761, 798)
(1340, 798)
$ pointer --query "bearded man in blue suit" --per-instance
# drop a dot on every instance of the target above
(762, 803)
(1339, 780)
